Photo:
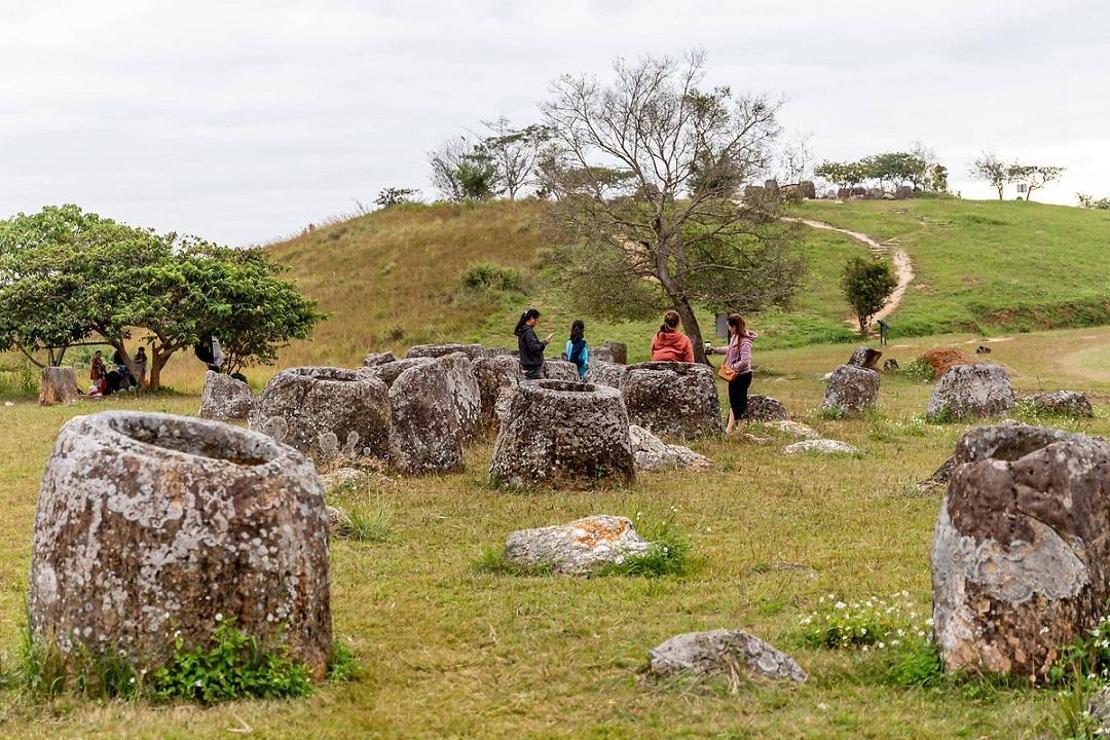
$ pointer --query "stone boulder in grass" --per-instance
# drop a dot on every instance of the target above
(58, 386)
(970, 392)
(424, 434)
(851, 390)
(607, 373)
(765, 408)
(225, 398)
(722, 652)
(1020, 557)
(496, 376)
(151, 525)
(472, 351)
(579, 548)
(673, 399)
(1061, 403)
(653, 453)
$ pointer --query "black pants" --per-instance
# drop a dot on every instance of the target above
(738, 395)
(533, 373)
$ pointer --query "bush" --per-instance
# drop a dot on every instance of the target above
(370, 527)
(489, 277)
(920, 369)
(668, 556)
(234, 666)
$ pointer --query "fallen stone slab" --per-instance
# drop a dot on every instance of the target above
(793, 428)
(821, 446)
(579, 548)
(653, 453)
(722, 652)
(1020, 555)
(1061, 403)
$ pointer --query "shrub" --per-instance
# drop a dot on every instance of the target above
(235, 665)
(668, 556)
(487, 276)
(370, 527)
(873, 622)
(920, 369)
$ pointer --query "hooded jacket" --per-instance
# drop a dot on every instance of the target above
(671, 346)
(530, 346)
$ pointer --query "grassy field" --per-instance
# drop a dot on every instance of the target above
(446, 651)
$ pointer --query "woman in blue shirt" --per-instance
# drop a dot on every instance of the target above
(578, 351)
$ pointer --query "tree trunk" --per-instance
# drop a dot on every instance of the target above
(693, 328)
(1000, 193)
(863, 322)
(157, 362)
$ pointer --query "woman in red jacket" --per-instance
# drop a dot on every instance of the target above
(669, 344)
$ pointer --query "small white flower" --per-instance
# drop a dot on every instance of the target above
(840, 605)
(219, 617)
(132, 680)
(882, 645)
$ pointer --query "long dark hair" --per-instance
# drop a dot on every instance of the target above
(577, 330)
(670, 322)
(577, 341)
(525, 318)
(739, 326)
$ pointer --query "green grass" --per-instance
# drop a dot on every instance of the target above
(443, 650)
(989, 266)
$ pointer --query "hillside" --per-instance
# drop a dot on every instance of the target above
(394, 278)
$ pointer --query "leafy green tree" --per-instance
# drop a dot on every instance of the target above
(867, 283)
(1033, 176)
(991, 170)
(1090, 201)
(515, 153)
(393, 196)
(843, 174)
(938, 178)
(897, 168)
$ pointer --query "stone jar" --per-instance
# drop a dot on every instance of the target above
(149, 525)
(673, 399)
(314, 404)
(560, 433)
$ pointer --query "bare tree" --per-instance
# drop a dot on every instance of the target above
(795, 161)
(638, 233)
(514, 152)
(445, 161)
(1033, 176)
(992, 170)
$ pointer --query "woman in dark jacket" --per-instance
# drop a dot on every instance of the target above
(530, 347)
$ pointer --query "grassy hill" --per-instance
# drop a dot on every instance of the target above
(394, 278)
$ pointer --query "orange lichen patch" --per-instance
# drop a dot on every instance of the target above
(590, 532)
(942, 359)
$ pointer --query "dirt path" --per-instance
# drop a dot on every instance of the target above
(903, 267)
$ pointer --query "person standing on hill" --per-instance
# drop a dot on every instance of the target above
(669, 344)
(529, 345)
(578, 351)
(738, 369)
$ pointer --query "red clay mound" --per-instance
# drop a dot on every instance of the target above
(941, 359)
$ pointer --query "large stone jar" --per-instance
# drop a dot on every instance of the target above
(673, 399)
(305, 406)
(560, 433)
(150, 525)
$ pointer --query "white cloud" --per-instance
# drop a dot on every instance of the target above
(242, 121)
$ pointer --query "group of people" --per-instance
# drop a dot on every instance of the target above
(669, 344)
(107, 381)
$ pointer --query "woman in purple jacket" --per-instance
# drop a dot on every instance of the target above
(738, 356)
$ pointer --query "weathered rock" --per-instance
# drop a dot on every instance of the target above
(858, 191)
(578, 548)
(378, 358)
(821, 446)
(890, 366)
(339, 522)
(970, 391)
(607, 373)
(982, 350)
(424, 436)
(722, 652)
(902, 192)
(325, 409)
(1019, 556)
(1061, 403)
(653, 453)
(1099, 709)
(560, 370)
(807, 189)
(940, 477)
(559, 433)
(150, 524)
(765, 408)
(496, 375)
(851, 389)
(794, 428)
(673, 399)
(610, 352)
(472, 351)
(387, 372)
(225, 397)
(865, 357)
(340, 478)
(466, 396)
(57, 386)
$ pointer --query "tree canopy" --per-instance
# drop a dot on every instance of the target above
(68, 276)
(644, 171)
(867, 284)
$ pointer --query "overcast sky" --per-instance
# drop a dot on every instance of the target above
(244, 121)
